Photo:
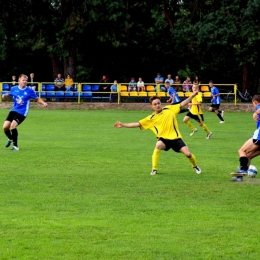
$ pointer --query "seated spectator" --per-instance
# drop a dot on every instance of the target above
(113, 90)
(68, 83)
(196, 80)
(159, 79)
(132, 85)
(59, 83)
(187, 85)
(140, 85)
(104, 87)
(178, 81)
(13, 82)
(169, 79)
(31, 82)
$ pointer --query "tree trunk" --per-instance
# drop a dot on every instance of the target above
(56, 66)
(69, 65)
(245, 76)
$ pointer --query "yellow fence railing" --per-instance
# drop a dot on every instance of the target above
(84, 90)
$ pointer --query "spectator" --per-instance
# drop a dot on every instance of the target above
(13, 81)
(59, 83)
(177, 81)
(140, 85)
(169, 79)
(159, 79)
(132, 85)
(187, 85)
(196, 80)
(113, 90)
(104, 87)
(31, 83)
(68, 83)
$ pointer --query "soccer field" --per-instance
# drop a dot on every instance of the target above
(81, 189)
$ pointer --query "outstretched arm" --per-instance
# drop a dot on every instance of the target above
(127, 125)
(187, 100)
(39, 100)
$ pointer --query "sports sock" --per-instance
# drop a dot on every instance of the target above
(243, 163)
(193, 160)
(8, 134)
(219, 116)
(15, 136)
(155, 158)
(190, 125)
(205, 128)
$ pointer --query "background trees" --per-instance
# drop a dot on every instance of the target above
(216, 40)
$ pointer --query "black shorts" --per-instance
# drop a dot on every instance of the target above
(198, 118)
(257, 142)
(175, 144)
(216, 106)
(16, 117)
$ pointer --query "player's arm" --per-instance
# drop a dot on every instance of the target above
(39, 100)
(5, 95)
(127, 125)
(256, 115)
(187, 100)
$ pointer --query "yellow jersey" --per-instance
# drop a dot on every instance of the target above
(163, 124)
(196, 109)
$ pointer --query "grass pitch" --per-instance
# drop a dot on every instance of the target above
(81, 189)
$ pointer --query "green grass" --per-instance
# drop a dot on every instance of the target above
(81, 189)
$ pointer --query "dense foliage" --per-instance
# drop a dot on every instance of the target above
(217, 40)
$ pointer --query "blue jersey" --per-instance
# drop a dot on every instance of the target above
(214, 91)
(256, 134)
(21, 99)
(171, 92)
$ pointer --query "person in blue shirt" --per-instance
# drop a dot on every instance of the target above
(132, 85)
(158, 80)
(251, 148)
(215, 102)
(174, 98)
(21, 95)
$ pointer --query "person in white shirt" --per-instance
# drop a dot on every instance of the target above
(140, 85)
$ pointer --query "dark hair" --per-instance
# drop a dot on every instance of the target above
(256, 98)
(211, 81)
(151, 99)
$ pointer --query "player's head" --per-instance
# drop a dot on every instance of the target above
(211, 83)
(167, 84)
(22, 80)
(195, 87)
(256, 100)
(155, 102)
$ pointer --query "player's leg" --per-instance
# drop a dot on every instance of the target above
(6, 128)
(18, 119)
(186, 120)
(201, 123)
(156, 155)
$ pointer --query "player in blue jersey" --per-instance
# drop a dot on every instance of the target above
(174, 98)
(251, 148)
(21, 95)
(215, 102)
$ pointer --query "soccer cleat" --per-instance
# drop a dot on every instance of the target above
(8, 143)
(153, 172)
(222, 122)
(240, 178)
(239, 173)
(197, 169)
(222, 113)
(15, 148)
(209, 135)
(193, 131)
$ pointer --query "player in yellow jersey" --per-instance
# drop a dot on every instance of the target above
(164, 124)
(196, 113)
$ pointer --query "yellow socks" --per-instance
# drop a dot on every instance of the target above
(193, 160)
(205, 128)
(155, 158)
(190, 125)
